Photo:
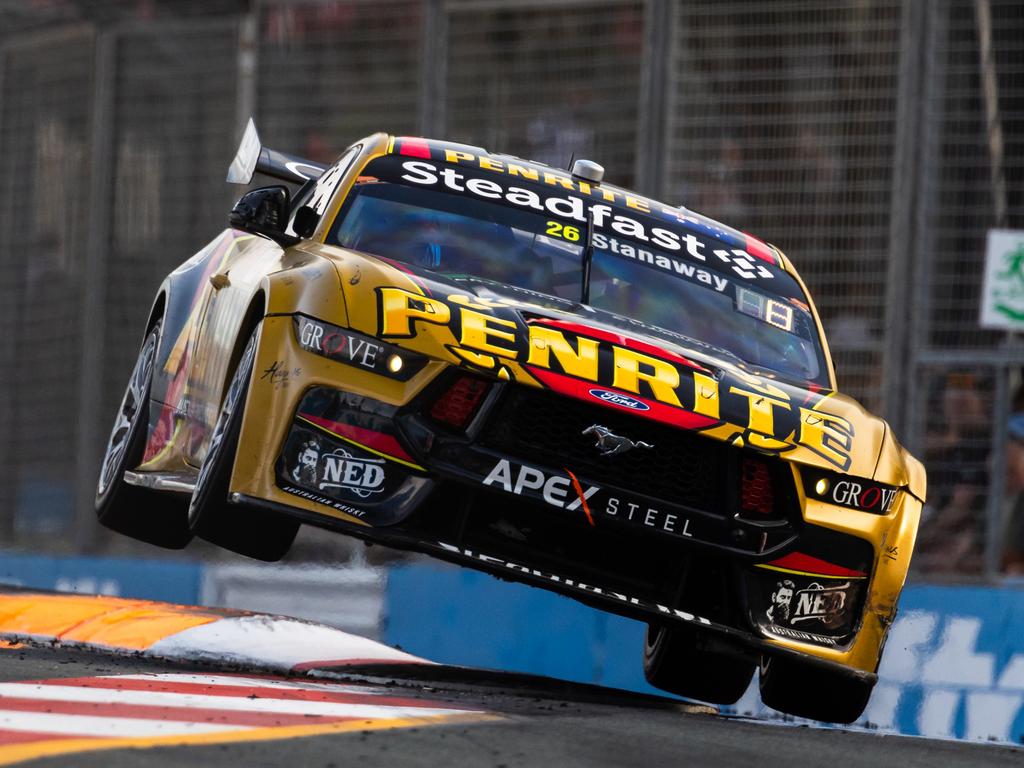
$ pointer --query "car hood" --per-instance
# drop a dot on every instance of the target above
(521, 336)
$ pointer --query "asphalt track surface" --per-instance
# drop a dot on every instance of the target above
(532, 722)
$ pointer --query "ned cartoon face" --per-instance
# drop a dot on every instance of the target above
(782, 597)
(304, 469)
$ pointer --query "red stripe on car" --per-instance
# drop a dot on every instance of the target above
(798, 561)
(369, 438)
(414, 148)
(760, 249)
(616, 338)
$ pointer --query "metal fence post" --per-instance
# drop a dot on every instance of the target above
(990, 98)
(652, 105)
(433, 69)
(901, 256)
(922, 235)
(997, 470)
(248, 70)
(91, 422)
(7, 493)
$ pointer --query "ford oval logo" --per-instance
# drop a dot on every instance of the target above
(616, 399)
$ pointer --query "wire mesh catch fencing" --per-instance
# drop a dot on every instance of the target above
(875, 141)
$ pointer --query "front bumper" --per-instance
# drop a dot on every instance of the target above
(720, 636)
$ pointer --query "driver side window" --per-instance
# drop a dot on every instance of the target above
(301, 199)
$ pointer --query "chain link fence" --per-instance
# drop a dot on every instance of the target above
(784, 122)
(45, 114)
(876, 141)
(962, 382)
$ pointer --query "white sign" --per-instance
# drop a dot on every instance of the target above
(1002, 298)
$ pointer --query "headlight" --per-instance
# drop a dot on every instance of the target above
(850, 492)
(356, 349)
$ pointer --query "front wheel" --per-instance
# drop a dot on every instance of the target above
(806, 691)
(249, 532)
(143, 514)
(674, 662)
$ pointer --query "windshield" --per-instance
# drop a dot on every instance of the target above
(467, 228)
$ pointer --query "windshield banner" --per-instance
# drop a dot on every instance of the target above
(613, 223)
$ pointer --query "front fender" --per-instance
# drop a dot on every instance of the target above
(308, 284)
(896, 466)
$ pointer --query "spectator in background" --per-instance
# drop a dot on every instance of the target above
(556, 136)
(952, 531)
(719, 194)
(1013, 499)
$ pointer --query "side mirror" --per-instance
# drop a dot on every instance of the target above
(264, 211)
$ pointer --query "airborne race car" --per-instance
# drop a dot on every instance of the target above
(536, 374)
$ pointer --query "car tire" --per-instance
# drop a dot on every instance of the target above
(805, 691)
(674, 662)
(251, 532)
(150, 516)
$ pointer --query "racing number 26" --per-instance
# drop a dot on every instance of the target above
(556, 229)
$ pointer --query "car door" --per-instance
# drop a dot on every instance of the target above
(233, 288)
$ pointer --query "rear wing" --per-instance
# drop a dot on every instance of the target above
(252, 158)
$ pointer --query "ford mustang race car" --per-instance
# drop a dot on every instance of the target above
(534, 373)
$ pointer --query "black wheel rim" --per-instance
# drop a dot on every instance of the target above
(654, 637)
(234, 396)
(128, 415)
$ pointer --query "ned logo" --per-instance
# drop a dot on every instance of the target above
(343, 471)
(820, 602)
(826, 604)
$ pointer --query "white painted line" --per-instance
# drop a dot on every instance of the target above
(295, 685)
(110, 727)
(227, 703)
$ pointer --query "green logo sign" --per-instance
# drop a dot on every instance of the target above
(1003, 295)
(1012, 290)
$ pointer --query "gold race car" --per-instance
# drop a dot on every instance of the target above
(530, 372)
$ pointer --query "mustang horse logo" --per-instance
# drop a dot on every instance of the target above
(611, 444)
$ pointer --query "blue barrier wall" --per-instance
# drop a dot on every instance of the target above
(174, 582)
(953, 667)
(464, 617)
